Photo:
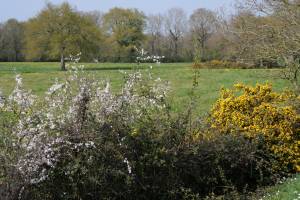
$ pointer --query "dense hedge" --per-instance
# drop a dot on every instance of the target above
(84, 142)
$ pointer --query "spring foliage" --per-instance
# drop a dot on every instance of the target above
(83, 141)
(259, 110)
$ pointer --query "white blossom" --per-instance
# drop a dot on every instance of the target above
(128, 165)
(144, 57)
(54, 88)
(41, 130)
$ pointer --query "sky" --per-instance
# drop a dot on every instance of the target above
(25, 9)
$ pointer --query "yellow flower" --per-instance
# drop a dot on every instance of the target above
(134, 133)
(259, 110)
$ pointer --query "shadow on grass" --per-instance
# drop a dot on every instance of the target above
(8, 71)
(115, 68)
(106, 68)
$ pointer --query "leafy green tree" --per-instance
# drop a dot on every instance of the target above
(11, 41)
(58, 31)
(125, 29)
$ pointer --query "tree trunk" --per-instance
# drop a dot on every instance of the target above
(62, 62)
(203, 56)
(16, 55)
(176, 49)
(153, 47)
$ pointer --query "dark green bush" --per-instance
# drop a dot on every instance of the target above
(224, 164)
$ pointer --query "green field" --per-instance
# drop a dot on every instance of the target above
(287, 190)
(39, 76)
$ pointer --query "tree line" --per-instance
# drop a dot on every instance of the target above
(259, 32)
(60, 30)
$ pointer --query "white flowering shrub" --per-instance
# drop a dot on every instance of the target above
(74, 118)
(144, 57)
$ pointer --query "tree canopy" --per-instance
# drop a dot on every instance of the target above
(58, 31)
(124, 29)
(11, 34)
(261, 32)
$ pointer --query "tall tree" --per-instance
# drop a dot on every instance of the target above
(125, 28)
(155, 33)
(58, 31)
(97, 17)
(175, 25)
(11, 41)
(202, 26)
(271, 32)
(1, 42)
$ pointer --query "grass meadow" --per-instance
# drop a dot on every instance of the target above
(287, 190)
(38, 77)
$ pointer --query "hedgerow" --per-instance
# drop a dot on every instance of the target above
(221, 64)
(82, 141)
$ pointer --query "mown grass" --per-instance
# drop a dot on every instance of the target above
(287, 190)
(40, 76)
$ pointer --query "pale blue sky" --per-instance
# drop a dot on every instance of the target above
(24, 9)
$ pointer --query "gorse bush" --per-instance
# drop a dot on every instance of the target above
(81, 141)
(259, 110)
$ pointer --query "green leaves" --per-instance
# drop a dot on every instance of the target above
(61, 30)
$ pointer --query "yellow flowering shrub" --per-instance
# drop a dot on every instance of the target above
(260, 111)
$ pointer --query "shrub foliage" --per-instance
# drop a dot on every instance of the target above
(82, 141)
(259, 110)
